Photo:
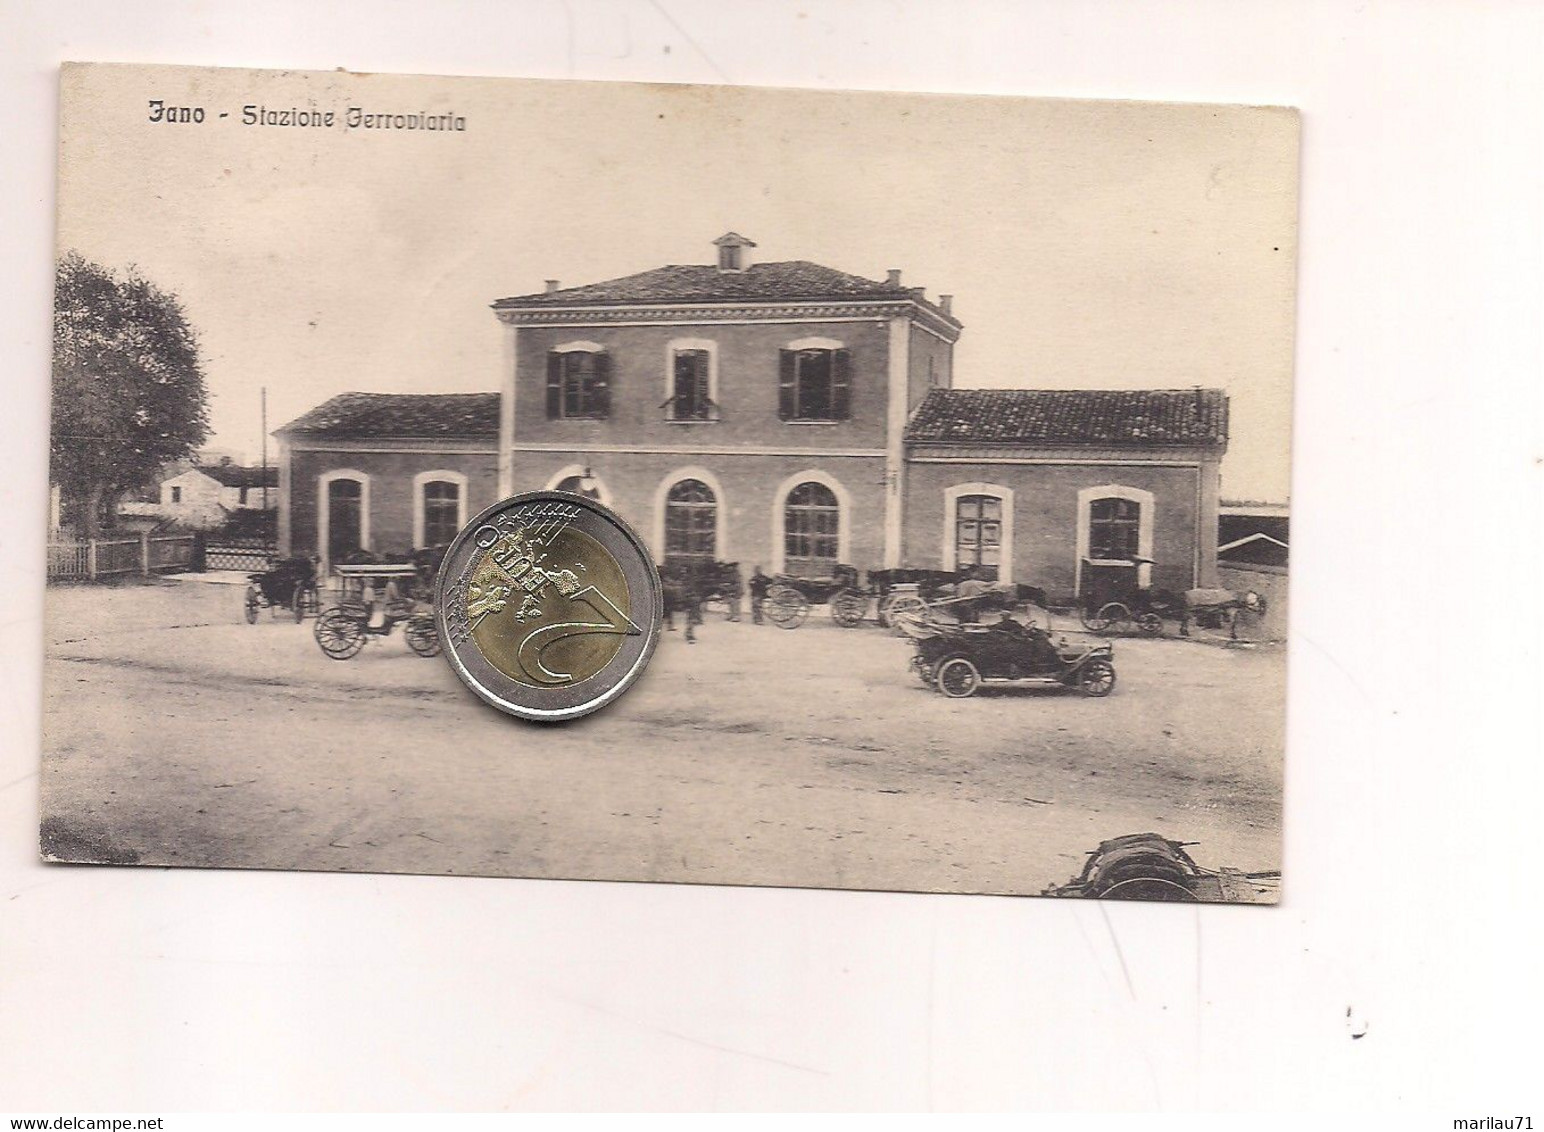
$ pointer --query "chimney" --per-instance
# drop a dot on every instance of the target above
(893, 277)
(946, 304)
(917, 293)
(552, 285)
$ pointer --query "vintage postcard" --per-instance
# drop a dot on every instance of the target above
(958, 427)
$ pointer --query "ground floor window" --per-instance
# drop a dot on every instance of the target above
(978, 534)
(1114, 528)
(811, 523)
(691, 523)
(442, 512)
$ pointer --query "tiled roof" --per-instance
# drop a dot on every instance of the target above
(236, 475)
(1052, 417)
(701, 283)
(402, 415)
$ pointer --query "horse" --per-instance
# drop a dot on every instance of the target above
(1219, 602)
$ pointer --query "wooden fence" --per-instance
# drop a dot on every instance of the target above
(91, 559)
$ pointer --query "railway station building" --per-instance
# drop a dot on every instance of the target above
(781, 414)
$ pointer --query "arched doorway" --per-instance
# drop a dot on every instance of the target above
(345, 515)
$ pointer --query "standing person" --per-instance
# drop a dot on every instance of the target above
(734, 589)
(670, 587)
(759, 584)
(693, 599)
(970, 590)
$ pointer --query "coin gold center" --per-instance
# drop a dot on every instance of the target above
(548, 610)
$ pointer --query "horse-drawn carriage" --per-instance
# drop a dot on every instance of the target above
(1113, 600)
(958, 595)
(891, 594)
(375, 597)
(683, 580)
(789, 598)
(288, 583)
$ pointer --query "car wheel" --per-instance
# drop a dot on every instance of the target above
(957, 678)
(1097, 678)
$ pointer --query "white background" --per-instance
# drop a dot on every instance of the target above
(1413, 781)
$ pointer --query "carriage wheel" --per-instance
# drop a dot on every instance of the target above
(957, 678)
(1097, 678)
(1109, 617)
(786, 607)
(254, 602)
(339, 635)
(848, 608)
(303, 600)
(901, 605)
(422, 637)
(1150, 623)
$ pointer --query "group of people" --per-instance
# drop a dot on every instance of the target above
(688, 588)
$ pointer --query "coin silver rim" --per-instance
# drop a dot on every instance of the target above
(646, 599)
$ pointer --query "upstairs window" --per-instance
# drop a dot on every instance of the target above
(690, 399)
(729, 257)
(1114, 529)
(815, 384)
(176, 495)
(578, 385)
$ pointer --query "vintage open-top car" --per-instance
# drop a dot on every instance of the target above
(956, 660)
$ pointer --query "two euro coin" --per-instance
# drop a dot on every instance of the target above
(549, 605)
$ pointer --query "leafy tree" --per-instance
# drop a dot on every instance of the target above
(128, 391)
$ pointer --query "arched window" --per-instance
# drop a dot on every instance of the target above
(691, 522)
(978, 534)
(811, 525)
(1114, 528)
(439, 506)
(442, 512)
(581, 480)
(1115, 525)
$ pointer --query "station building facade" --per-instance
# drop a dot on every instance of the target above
(779, 414)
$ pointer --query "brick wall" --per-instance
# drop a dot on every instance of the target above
(747, 386)
(747, 486)
(391, 491)
(931, 366)
(1045, 516)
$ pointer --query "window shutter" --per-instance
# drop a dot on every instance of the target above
(787, 368)
(841, 384)
(554, 386)
(700, 386)
(602, 385)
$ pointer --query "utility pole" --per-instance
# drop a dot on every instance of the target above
(264, 472)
